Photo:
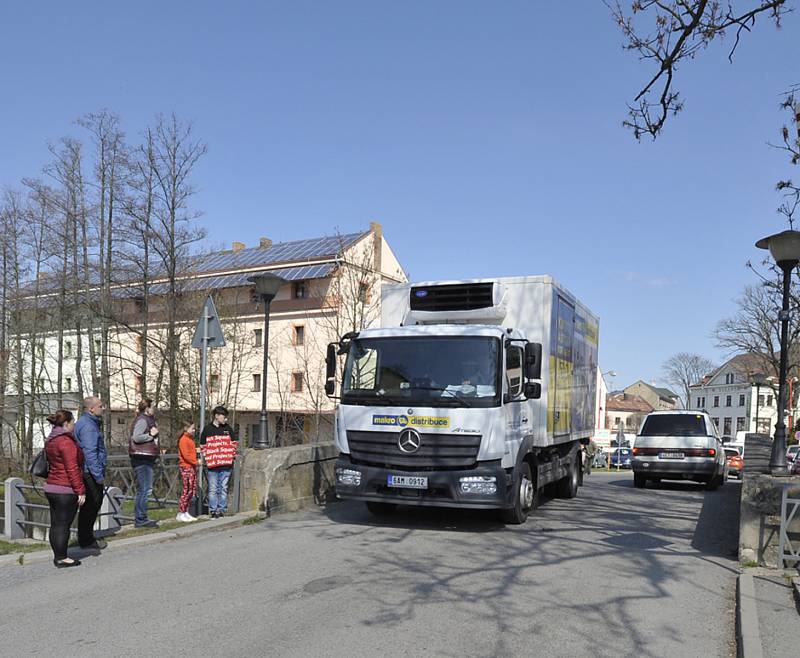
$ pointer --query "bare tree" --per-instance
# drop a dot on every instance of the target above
(669, 33)
(755, 328)
(174, 155)
(684, 369)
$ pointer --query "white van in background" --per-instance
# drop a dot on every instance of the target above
(679, 445)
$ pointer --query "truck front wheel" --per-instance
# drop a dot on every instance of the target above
(525, 497)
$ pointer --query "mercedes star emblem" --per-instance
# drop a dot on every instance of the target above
(409, 441)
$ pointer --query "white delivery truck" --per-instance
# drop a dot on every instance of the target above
(473, 394)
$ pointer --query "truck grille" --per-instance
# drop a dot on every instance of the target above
(452, 297)
(436, 451)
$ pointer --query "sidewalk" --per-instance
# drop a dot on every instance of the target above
(155, 537)
(768, 613)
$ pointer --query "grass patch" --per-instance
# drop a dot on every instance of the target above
(750, 564)
(7, 547)
(254, 519)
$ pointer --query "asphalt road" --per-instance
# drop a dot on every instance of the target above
(615, 572)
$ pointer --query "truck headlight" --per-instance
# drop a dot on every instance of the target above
(478, 484)
(348, 476)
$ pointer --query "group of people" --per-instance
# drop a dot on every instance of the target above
(77, 459)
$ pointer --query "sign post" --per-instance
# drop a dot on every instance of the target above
(208, 334)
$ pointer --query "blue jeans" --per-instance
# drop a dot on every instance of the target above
(218, 489)
(144, 485)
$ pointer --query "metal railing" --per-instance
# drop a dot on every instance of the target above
(21, 516)
(23, 507)
(788, 552)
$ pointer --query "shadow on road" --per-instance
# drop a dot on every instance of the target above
(612, 533)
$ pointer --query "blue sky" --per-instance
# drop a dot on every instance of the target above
(485, 136)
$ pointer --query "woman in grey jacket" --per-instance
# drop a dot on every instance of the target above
(143, 449)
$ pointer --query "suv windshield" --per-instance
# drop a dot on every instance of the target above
(437, 371)
(674, 425)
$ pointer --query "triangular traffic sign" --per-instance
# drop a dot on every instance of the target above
(213, 332)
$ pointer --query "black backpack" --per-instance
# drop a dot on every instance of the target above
(40, 467)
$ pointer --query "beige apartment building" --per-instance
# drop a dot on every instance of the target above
(333, 285)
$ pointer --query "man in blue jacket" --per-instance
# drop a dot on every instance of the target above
(89, 434)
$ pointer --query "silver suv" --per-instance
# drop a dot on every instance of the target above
(679, 445)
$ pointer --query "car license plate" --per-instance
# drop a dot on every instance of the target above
(670, 455)
(407, 481)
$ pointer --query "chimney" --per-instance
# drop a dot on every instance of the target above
(238, 246)
(377, 246)
(264, 243)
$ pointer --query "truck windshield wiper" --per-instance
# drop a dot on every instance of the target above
(451, 395)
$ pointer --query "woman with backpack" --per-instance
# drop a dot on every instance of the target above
(64, 488)
(143, 450)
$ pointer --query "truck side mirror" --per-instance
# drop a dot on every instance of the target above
(330, 369)
(532, 390)
(533, 361)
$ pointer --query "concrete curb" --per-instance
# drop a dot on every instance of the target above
(191, 529)
(796, 592)
(748, 636)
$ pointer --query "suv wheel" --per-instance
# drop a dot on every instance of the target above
(639, 480)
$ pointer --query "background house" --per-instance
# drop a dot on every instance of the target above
(660, 399)
(734, 402)
(628, 409)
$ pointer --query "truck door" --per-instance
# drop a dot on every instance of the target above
(515, 412)
(561, 369)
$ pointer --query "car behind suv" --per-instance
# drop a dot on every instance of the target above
(679, 445)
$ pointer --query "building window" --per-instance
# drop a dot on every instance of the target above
(617, 421)
(68, 349)
(98, 346)
(716, 422)
(67, 384)
(741, 400)
(699, 406)
(726, 427)
(729, 378)
(740, 424)
(703, 405)
(213, 382)
(40, 385)
(297, 382)
(769, 400)
(760, 400)
(256, 382)
(299, 335)
(716, 400)
(40, 350)
(727, 400)
(300, 290)
(258, 337)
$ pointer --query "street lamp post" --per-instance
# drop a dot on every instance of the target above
(267, 286)
(785, 249)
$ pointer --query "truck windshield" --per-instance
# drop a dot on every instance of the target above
(436, 372)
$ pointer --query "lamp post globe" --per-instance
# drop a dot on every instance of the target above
(785, 250)
(267, 286)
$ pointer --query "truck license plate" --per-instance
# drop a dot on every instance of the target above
(407, 481)
(670, 455)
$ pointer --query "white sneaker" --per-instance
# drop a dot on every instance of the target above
(188, 517)
(179, 516)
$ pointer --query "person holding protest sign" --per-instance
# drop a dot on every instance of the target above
(218, 447)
